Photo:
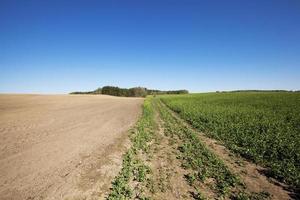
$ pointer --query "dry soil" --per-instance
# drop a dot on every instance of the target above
(62, 146)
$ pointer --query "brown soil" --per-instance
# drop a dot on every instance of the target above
(250, 173)
(62, 146)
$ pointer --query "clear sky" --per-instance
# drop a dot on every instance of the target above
(59, 46)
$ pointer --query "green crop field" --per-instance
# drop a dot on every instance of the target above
(261, 126)
(171, 156)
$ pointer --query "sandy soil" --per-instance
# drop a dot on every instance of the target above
(62, 146)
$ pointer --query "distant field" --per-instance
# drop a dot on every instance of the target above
(261, 126)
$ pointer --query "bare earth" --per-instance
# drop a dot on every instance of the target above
(62, 146)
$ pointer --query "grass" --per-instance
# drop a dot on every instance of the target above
(134, 170)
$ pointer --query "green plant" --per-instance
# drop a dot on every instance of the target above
(133, 168)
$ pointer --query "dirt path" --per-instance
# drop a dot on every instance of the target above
(62, 146)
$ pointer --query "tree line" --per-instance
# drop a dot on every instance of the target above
(131, 92)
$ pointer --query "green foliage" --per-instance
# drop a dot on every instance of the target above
(124, 92)
(190, 178)
(120, 187)
(131, 92)
(142, 171)
(154, 92)
(133, 169)
(261, 126)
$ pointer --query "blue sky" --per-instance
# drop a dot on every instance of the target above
(61, 46)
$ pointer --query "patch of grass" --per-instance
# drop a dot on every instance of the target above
(133, 168)
(190, 178)
(141, 172)
(120, 188)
